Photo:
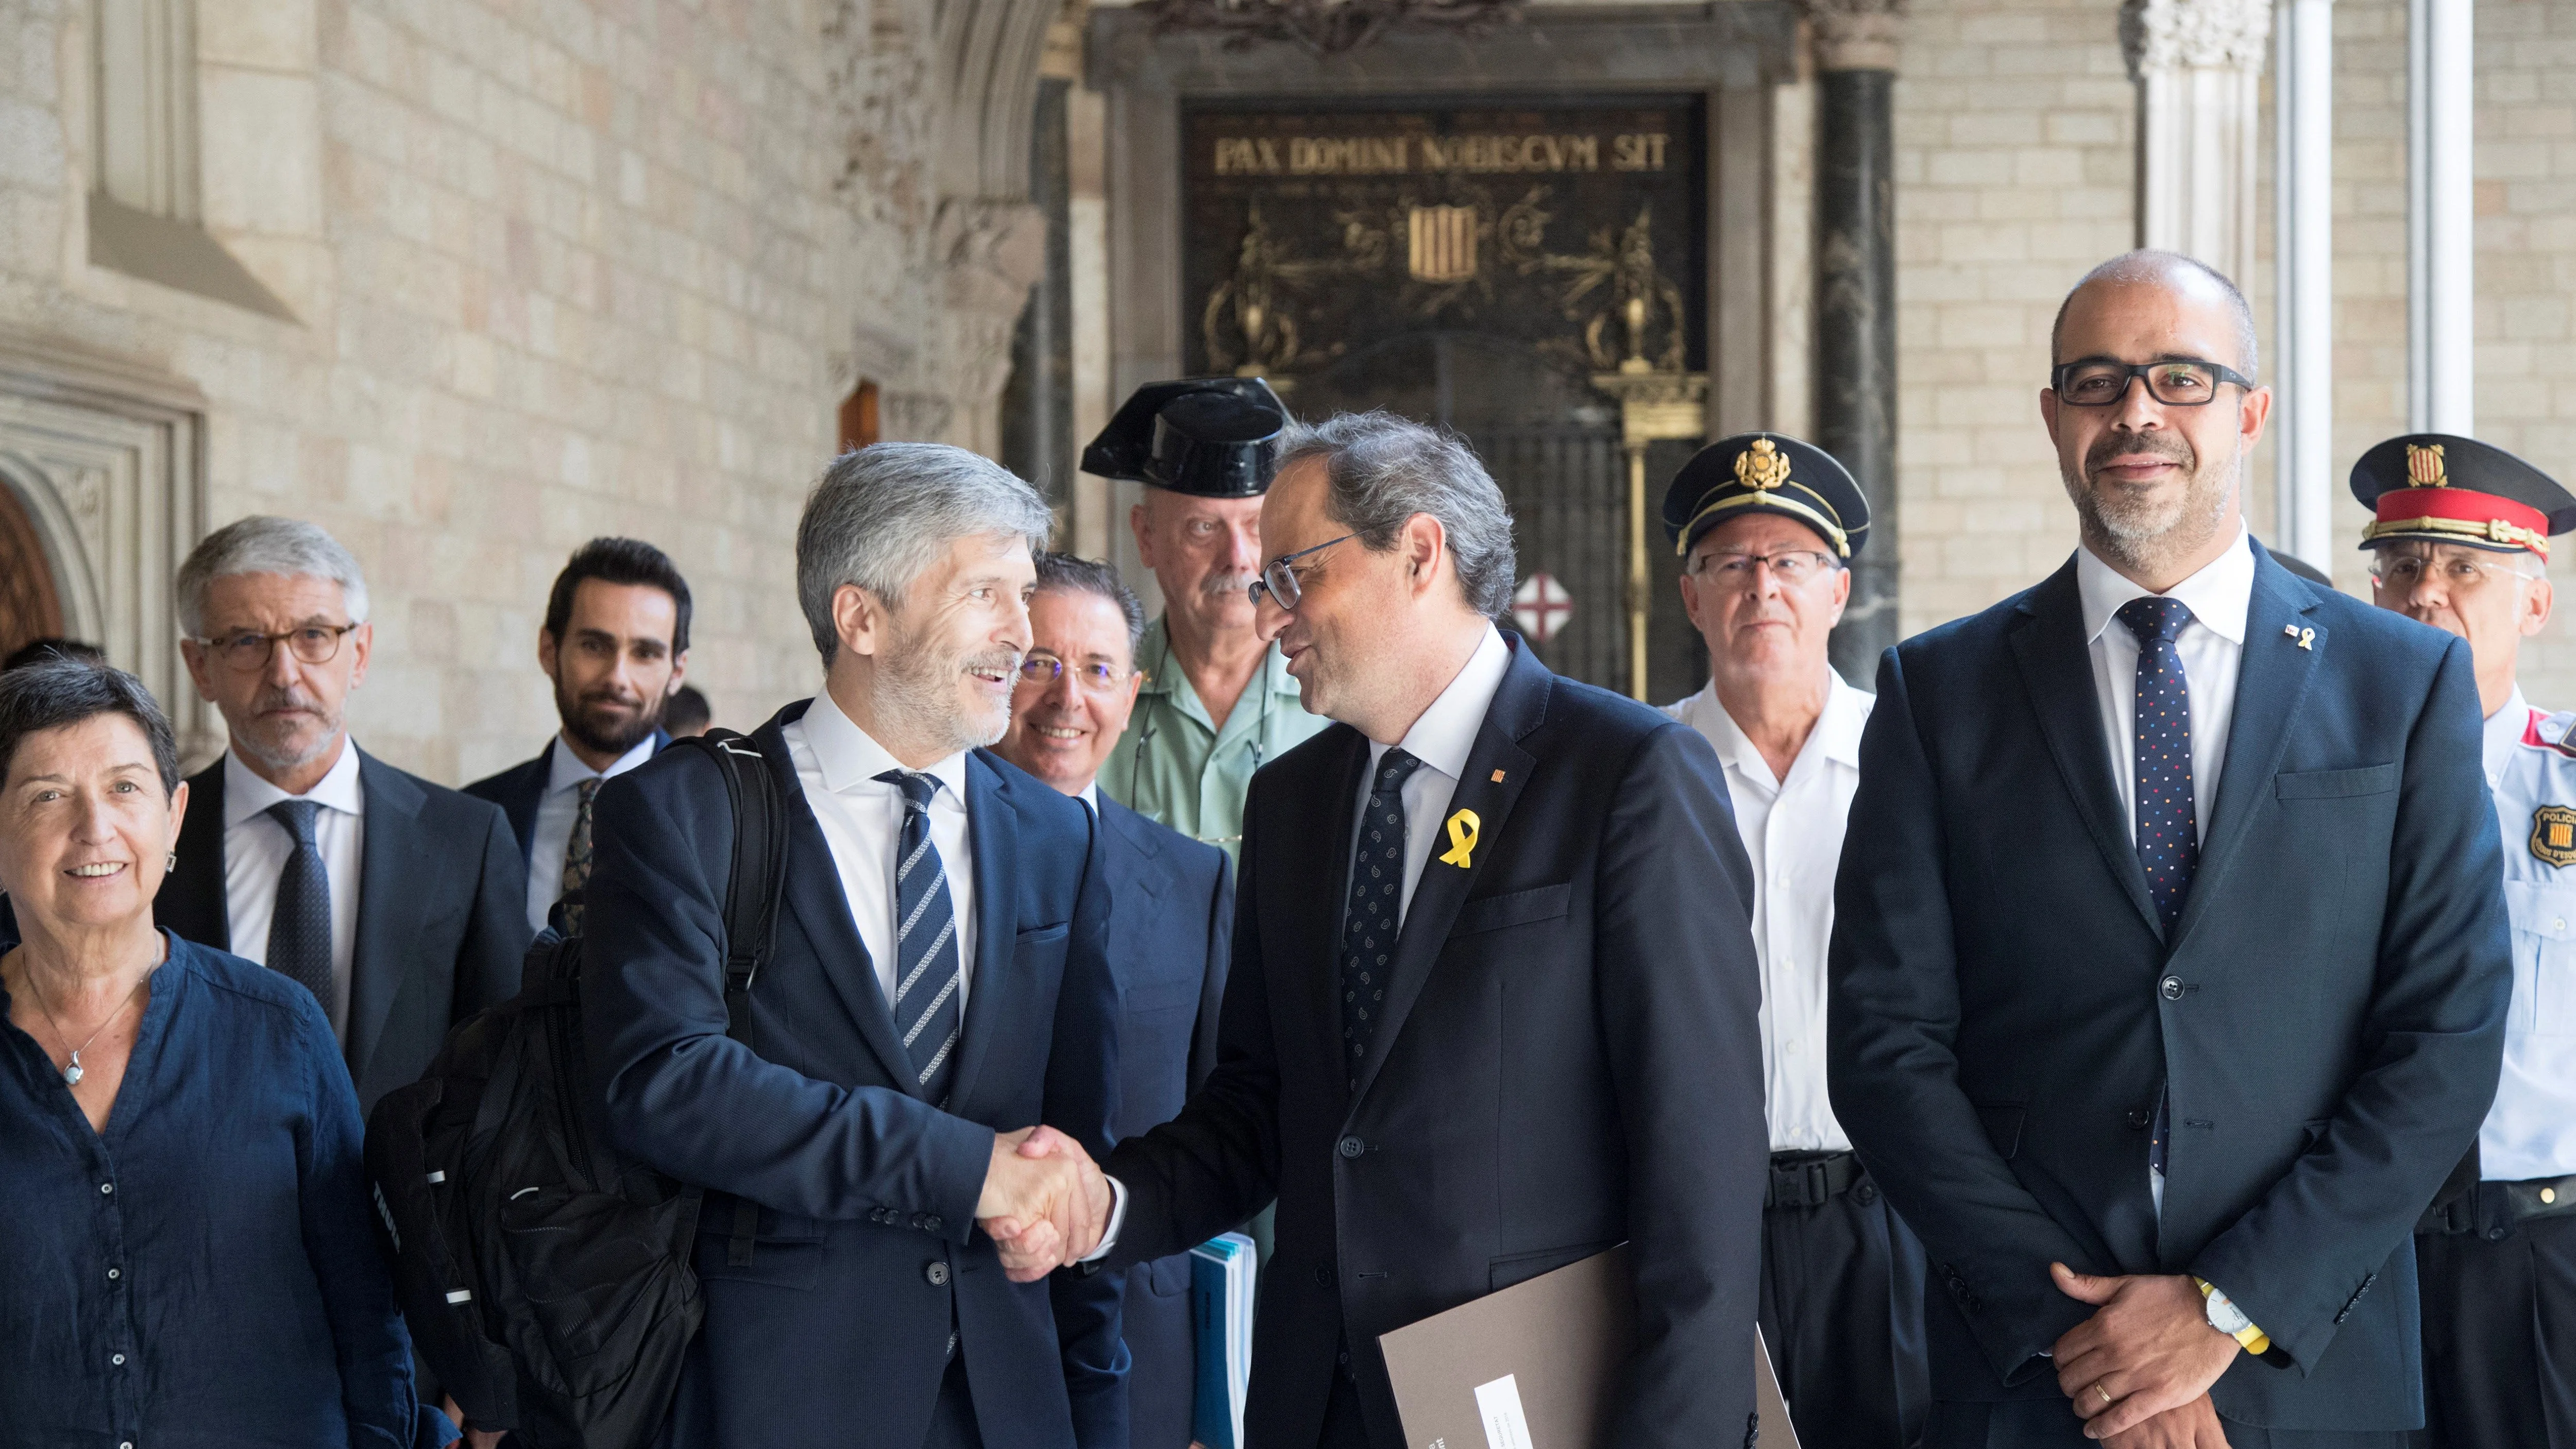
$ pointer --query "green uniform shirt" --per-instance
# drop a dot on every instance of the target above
(1175, 767)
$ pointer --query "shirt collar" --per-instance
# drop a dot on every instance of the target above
(850, 758)
(567, 769)
(2219, 596)
(1156, 645)
(1446, 732)
(1090, 796)
(2504, 729)
(247, 795)
(1837, 730)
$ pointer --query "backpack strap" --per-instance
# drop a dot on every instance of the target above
(753, 889)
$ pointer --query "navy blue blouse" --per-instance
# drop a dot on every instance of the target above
(203, 1273)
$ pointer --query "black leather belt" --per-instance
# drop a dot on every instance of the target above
(1812, 1179)
(2490, 1209)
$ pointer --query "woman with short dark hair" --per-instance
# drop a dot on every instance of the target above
(188, 1259)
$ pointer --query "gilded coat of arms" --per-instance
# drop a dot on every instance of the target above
(2553, 835)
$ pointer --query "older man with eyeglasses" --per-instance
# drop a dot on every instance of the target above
(2459, 539)
(1766, 525)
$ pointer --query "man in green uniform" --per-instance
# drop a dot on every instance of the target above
(1217, 703)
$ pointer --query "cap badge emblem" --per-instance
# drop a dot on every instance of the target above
(1762, 467)
(2553, 835)
(2424, 466)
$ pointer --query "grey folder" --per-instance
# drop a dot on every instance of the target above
(1537, 1366)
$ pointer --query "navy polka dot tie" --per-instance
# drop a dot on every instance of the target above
(1375, 912)
(299, 926)
(2168, 826)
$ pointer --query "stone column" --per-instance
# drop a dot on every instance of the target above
(1855, 300)
(2199, 69)
(2302, 362)
(2441, 207)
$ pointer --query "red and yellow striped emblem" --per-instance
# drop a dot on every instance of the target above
(2424, 466)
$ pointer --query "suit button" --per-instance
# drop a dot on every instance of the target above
(2140, 1121)
(921, 1220)
(1865, 1193)
(937, 1274)
(1323, 1275)
(2172, 988)
(930, 1224)
(1352, 1147)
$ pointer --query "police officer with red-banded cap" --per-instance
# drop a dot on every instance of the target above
(2460, 540)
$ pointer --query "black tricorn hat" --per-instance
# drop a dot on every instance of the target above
(2443, 488)
(1766, 473)
(1216, 437)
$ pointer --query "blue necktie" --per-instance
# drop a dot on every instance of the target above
(299, 929)
(2168, 826)
(1375, 912)
(927, 1009)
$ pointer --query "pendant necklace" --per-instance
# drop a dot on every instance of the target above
(74, 1071)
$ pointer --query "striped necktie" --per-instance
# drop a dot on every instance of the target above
(928, 993)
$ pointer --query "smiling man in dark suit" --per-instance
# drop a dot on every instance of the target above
(2169, 962)
(395, 900)
(1171, 910)
(1492, 1001)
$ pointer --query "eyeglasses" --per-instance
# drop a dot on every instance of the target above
(249, 649)
(2177, 382)
(1279, 582)
(1790, 566)
(1095, 677)
(2458, 571)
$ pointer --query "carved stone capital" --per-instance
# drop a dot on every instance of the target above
(991, 253)
(1856, 34)
(2167, 35)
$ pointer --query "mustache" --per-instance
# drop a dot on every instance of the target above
(1226, 585)
(270, 700)
(1004, 661)
(2167, 446)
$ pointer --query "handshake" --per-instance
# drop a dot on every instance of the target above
(1045, 1203)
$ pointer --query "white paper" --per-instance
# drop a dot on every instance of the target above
(1499, 1405)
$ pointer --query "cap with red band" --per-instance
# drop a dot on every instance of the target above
(2441, 488)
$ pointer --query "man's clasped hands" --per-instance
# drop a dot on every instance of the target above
(1045, 1203)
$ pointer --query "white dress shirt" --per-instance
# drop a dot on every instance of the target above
(557, 808)
(2212, 647)
(1793, 833)
(1441, 740)
(256, 848)
(862, 819)
(2530, 1131)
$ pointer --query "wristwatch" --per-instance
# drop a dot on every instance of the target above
(2229, 1319)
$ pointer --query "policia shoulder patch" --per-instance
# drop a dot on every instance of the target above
(2553, 835)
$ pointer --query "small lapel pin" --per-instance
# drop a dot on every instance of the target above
(1498, 777)
(1462, 839)
(2307, 638)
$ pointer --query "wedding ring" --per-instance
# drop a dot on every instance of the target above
(2105, 1393)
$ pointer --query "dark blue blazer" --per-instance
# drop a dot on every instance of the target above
(2329, 1012)
(838, 1331)
(1569, 1058)
(1171, 912)
(519, 789)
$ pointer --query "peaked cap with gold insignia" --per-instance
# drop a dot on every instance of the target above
(1766, 473)
(2442, 488)
(1215, 437)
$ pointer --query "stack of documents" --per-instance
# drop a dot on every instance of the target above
(1221, 1276)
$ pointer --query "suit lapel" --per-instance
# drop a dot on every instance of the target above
(528, 796)
(1337, 817)
(993, 838)
(2057, 672)
(2271, 679)
(392, 869)
(1518, 706)
(192, 902)
(814, 895)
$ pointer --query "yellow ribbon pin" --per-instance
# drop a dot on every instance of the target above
(1462, 839)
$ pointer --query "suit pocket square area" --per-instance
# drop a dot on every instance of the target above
(1513, 908)
(2337, 784)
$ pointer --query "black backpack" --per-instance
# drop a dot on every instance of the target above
(545, 1275)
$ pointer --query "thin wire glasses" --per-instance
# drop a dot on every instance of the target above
(1279, 581)
(1095, 676)
(2177, 382)
(249, 649)
(2461, 570)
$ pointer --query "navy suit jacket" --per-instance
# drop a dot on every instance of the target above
(519, 789)
(1568, 1059)
(868, 1256)
(2329, 1012)
(1171, 912)
(442, 915)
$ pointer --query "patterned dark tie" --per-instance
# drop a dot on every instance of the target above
(2168, 825)
(1375, 912)
(576, 871)
(299, 929)
(927, 1008)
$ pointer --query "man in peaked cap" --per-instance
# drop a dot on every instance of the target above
(1217, 701)
(2460, 541)
(1766, 526)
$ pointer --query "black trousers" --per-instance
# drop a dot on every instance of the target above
(2051, 1424)
(2500, 1336)
(1842, 1311)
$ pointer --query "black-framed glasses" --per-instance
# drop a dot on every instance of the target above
(2177, 382)
(1279, 581)
(1095, 676)
(1791, 566)
(249, 649)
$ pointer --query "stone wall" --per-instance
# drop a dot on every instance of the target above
(555, 270)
